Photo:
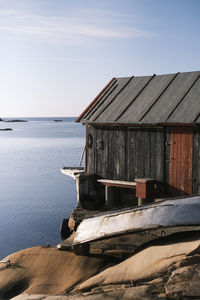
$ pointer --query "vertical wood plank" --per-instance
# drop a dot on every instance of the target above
(119, 138)
(91, 156)
(181, 156)
(196, 161)
(131, 154)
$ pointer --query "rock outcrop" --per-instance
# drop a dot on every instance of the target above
(165, 271)
(46, 270)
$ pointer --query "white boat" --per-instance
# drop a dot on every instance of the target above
(174, 213)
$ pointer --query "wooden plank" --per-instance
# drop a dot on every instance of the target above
(160, 155)
(147, 158)
(190, 158)
(121, 183)
(117, 154)
(105, 154)
(99, 151)
(110, 173)
(91, 156)
(167, 160)
(143, 153)
(197, 165)
(196, 161)
(102, 154)
(72, 171)
(130, 150)
(86, 148)
(181, 156)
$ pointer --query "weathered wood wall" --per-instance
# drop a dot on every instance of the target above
(127, 153)
(131, 152)
(196, 161)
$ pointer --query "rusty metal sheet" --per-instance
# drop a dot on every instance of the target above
(169, 213)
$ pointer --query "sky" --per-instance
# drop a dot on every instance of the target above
(57, 55)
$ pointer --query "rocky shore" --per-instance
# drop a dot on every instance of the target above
(164, 270)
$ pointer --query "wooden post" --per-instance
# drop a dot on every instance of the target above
(109, 196)
(140, 201)
(106, 195)
(145, 190)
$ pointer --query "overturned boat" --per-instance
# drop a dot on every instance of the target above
(165, 217)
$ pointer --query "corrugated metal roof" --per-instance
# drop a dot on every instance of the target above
(170, 98)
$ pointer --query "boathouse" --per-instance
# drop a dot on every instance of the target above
(144, 131)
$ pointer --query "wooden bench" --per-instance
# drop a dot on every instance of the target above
(118, 183)
(114, 183)
(144, 188)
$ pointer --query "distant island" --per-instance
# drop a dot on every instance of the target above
(14, 120)
(57, 120)
(5, 129)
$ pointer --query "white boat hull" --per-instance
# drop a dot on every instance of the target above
(168, 213)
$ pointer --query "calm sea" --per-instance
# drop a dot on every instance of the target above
(34, 195)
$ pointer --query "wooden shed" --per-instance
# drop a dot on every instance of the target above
(146, 127)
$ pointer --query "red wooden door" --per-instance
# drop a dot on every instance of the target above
(181, 155)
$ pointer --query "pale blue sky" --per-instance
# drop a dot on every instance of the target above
(56, 55)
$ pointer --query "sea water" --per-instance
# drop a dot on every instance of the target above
(34, 195)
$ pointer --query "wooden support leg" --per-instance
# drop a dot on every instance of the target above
(109, 196)
(106, 195)
(141, 201)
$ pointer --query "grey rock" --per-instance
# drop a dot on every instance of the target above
(184, 282)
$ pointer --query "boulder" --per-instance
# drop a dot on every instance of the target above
(184, 282)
